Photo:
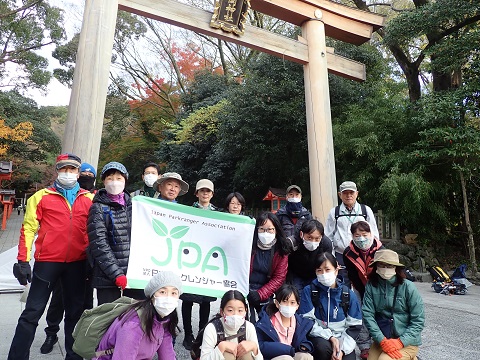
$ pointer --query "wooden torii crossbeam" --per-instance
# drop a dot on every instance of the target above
(317, 18)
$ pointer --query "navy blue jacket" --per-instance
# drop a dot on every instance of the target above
(269, 342)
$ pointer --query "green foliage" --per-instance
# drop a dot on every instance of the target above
(25, 27)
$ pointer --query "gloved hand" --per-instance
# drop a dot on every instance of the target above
(22, 272)
(253, 297)
(390, 347)
(121, 282)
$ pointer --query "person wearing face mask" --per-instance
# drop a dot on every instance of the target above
(150, 175)
(233, 315)
(109, 228)
(87, 177)
(340, 219)
(293, 214)
(389, 295)
(55, 311)
(282, 334)
(55, 220)
(269, 261)
(301, 263)
(357, 258)
(336, 323)
(148, 326)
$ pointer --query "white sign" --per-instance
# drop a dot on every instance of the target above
(210, 250)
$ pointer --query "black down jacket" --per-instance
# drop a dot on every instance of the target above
(109, 228)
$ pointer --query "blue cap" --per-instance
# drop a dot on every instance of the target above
(116, 166)
(85, 167)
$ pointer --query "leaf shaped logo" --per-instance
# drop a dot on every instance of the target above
(179, 231)
(160, 227)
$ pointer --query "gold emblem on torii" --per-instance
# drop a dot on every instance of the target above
(230, 15)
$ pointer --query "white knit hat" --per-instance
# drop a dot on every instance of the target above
(162, 279)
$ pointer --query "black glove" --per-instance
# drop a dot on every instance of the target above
(22, 272)
(253, 297)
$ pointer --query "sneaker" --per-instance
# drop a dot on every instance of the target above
(364, 354)
(187, 342)
(47, 346)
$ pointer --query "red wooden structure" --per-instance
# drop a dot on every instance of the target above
(277, 198)
(7, 196)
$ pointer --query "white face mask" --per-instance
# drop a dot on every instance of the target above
(67, 179)
(115, 187)
(233, 322)
(294, 199)
(310, 245)
(363, 243)
(150, 179)
(165, 305)
(287, 311)
(386, 273)
(266, 238)
(327, 279)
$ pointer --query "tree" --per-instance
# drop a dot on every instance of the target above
(416, 35)
(25, 27)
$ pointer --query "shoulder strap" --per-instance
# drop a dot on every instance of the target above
(337, 212)
(345, 303)
(219, 328)
(108, 220)
(315, 296)
(364, 211)
(241, 334)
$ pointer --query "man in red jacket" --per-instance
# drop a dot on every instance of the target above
(57, 215)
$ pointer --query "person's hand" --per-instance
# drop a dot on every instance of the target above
(336, 353)
(121, 282)
(245, 347)
(23, 272)
(390, 347)
(227, 346)
(253, 297)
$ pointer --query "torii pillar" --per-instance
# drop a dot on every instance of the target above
(318, 18)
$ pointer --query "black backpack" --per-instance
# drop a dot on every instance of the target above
(337, 213)
(344, 304)
(197, 343)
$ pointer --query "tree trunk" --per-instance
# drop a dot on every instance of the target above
(470, 243)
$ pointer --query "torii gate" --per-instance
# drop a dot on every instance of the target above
(317, 18)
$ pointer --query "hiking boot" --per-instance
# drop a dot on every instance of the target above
(187, 342)
(364, 354)
(47, 346)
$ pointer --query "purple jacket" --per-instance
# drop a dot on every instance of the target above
(130, 342)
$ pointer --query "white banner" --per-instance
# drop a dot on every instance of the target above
(210, 250)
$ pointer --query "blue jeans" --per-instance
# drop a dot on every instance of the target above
(45, 276)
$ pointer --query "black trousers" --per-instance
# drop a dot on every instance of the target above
(55, 309)
(108, 295)
(187, 316)
(45, 276)
(322, 349)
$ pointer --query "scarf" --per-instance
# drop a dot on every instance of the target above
(119, 198)
(294, 209)
(69, 194)
(263, 246)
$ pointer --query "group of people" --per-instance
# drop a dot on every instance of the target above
(315, 292)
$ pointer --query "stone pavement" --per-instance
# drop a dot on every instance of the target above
(452, 328)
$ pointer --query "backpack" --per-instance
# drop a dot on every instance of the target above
(94, 323)
(344, 304)
(197, 343)
(337, 213)
(438, 274)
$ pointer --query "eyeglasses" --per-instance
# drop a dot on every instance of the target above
(269, 230)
